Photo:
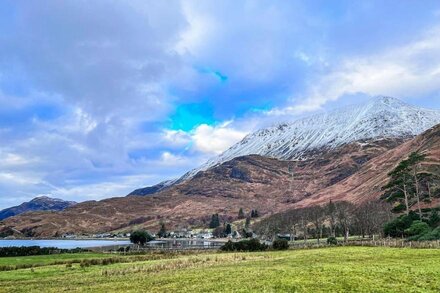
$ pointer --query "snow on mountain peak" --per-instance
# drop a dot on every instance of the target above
(381, 117)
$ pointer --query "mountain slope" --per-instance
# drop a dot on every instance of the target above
(366, 184)
(249, 182)
(382, 117)
(42, 203)
(152, 189)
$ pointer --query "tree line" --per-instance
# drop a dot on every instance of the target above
(335, 219)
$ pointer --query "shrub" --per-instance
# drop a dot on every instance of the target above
(332, 241)
(417, 228)
(35, 250)
(428, 236)
(244, 245)
(397, 227)
(280, 244)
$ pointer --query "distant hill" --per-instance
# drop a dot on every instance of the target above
(152, 189)
(41, 203)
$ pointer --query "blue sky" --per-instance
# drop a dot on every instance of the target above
(98, 98)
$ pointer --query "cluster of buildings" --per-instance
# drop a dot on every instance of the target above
(183, 233)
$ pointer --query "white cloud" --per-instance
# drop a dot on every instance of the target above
(412, 70)
(117, 186)
(177, 137)
(215, 139)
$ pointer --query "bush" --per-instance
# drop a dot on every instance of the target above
(280, 244)
(429, 236)
(397, 227)
(35, 250)
(417, 228)
(244, 245)
(332, 241)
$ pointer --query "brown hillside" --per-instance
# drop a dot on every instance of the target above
(366, 184)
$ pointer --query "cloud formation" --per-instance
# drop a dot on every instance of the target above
(99, 98)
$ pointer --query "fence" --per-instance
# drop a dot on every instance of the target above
(396, 243)
(178, 248)
(294, 245)
(369, 242)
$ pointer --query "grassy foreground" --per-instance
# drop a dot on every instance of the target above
(338, 269)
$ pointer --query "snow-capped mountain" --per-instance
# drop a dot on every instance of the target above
(381, 117)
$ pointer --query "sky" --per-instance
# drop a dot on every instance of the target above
(98, 98)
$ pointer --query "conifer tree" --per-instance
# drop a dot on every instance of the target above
(241, 213)
(215, 221)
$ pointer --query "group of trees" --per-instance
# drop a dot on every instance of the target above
(413, 227)
(222, 231)
(253, 214)
(215, 221)
(409, 185)
(334, 219)
(226, 229)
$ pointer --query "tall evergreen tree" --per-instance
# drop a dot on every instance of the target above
(415, 159)
(163, 231)
(247, 223)
(404, 182)
(228, 229)
(241, 214)
(434, 219)
(399, 185)
(215, 221)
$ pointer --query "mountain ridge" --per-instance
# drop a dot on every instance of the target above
(40, 203)
(381, 106)
(379, 117)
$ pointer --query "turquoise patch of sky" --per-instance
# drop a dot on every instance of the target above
(188, 116)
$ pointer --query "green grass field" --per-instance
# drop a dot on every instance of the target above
(48, 259)
(339, 269)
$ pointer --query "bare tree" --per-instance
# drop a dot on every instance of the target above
(344, 217)
(331, 214)
(317, 216)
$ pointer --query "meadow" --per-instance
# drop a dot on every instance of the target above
(334, 269)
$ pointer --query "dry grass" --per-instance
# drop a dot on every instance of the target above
(338, 269)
